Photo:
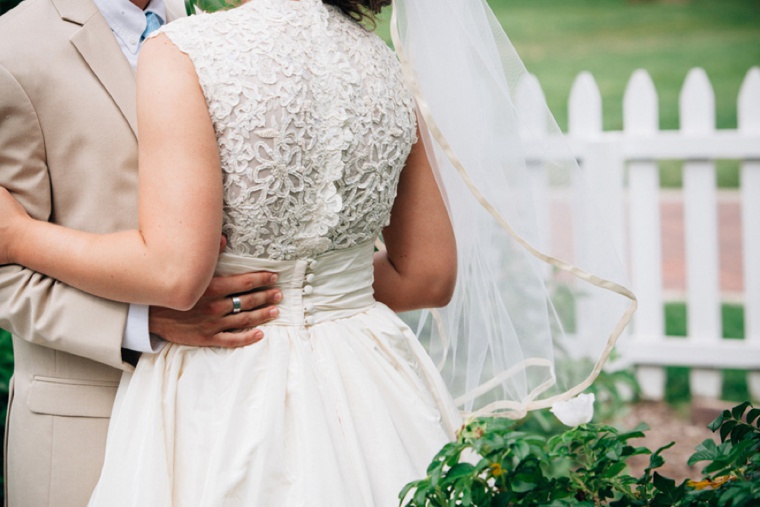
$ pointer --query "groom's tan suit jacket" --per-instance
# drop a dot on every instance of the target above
(68, 151)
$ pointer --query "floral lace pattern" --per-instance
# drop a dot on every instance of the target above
(313, 120)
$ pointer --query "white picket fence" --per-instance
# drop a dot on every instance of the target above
(623, 166)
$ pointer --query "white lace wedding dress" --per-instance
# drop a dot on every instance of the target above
(339, 405)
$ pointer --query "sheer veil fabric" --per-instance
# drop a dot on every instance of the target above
(541, 296)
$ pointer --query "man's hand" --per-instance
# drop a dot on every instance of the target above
(211, 322)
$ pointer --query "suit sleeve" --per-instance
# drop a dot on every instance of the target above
(34, 307)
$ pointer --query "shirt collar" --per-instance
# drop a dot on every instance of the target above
(127, 21)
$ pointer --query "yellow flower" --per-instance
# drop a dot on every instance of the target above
(707, 483)
(496, 470)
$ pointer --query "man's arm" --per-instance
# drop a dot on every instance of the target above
(32, 306)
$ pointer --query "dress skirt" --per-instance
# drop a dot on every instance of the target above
(338, 405)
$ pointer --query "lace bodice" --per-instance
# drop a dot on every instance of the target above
(313, 121)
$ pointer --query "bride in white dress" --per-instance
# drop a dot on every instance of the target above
(290, 128)
(308, 117)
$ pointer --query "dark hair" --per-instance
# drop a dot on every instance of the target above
(360, 10)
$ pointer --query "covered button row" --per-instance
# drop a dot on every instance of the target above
(308, 290)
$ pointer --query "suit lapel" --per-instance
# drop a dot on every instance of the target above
(97, 45)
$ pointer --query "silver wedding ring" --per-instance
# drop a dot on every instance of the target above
(237, 306)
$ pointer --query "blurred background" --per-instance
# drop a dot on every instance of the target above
(557, 39)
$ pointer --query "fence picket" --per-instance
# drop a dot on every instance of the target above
(602, 164)
(697, 113)
(585, 107)
(531, 109)
(641, 119)
(748, 115)
(584, 122)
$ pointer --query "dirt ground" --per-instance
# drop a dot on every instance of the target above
(687, 429)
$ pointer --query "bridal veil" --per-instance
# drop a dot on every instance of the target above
(541, 296)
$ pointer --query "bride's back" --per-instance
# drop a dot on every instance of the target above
(313, 121)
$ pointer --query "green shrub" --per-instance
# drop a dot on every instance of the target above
(493, 464)
(6, 5)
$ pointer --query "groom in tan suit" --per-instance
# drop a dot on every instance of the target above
(68, 151)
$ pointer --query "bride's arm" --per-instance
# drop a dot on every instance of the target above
(419, 267)
(170, 260)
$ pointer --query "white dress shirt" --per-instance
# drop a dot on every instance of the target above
(127, 21)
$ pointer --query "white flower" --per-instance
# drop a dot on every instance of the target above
(575, 411)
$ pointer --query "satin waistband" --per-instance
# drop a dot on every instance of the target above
(331, 286)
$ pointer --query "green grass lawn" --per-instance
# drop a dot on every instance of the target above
(734, 381)
(611, 38)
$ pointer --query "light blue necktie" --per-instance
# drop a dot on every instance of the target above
(153, 23)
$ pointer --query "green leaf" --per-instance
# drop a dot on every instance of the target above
(707, 450)
(730, 456)
(642, 426)
(632, 434)
(419, 496)
(738, 410)
(522, 484)
(739, 432)
(459, 470)
(522, 450)
(557, 468)
(725, 430)
(406, 490)
(435, 476)
(713, 426)
(670, 494)
(451, 460)
(664, 484)
(614, 470)
(738, 494)
(463, 491)
(656, 460)
(630, 450)
(752, 415)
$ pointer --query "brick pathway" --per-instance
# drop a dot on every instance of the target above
(729, 236)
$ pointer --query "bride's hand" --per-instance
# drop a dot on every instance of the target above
(12, 218)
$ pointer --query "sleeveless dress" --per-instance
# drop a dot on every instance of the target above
(338, 405)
